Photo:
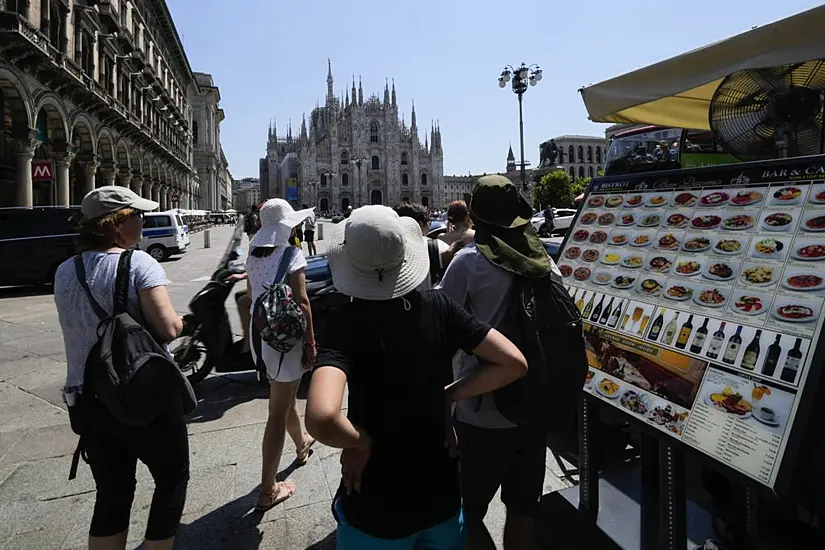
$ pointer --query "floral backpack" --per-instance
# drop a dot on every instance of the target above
(276, 317)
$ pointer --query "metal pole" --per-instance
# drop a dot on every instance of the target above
(521, 139)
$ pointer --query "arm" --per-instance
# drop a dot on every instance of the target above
(160, 316)
(297, 281)
(325, 420)
(501, 363)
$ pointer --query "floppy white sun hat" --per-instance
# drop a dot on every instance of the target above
(278, 218)
(377, 255)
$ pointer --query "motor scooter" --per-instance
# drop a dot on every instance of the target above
(206, 342)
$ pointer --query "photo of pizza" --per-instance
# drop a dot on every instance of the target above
(814, 223)
(588, 218)
(595, 201)
(619, 239)
(794, 312)
(582, 273)
(581, 235)
(590, 255)
(803, 281)
(598, 237)
(572, 252)
(566, 270)
(607, 219)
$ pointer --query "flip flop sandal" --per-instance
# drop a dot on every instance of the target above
(306, 451)
(282, 486)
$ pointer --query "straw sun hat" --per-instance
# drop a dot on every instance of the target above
(377, 255)
(278, 218)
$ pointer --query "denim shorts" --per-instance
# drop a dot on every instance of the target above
(449, 535)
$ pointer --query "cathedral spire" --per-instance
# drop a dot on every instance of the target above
(386, 91)
(393, 92)
(303, 126)
(360, 93)
(414, 124)
(354, 96)
(329, 81)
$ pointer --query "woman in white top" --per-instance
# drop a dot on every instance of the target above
(266, 249)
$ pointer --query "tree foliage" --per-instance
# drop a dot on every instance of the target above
(557, 190)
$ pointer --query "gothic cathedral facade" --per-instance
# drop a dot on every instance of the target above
(352, 152)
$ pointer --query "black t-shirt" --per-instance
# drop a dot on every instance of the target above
(397, 362)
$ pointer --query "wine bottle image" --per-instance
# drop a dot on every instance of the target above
(656, 327)
(580, 301)
(732, 351)
(716, 342)
(699, 339)
(751, 355)
(792, 362)
(614, 317)
(598, 310)
(606, 312)
(589, 307)
(575, 293)
(684, 333)
(772, 358)
(670, 330)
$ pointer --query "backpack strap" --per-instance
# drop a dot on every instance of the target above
(435, 260)
(80, 270)
(121, 295)
(286, 259)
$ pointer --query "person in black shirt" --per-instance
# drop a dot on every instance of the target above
(393, 347)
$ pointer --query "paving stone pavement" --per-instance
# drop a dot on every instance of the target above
(41, 509)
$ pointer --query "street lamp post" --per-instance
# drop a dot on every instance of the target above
(358, 161)
(522, 76)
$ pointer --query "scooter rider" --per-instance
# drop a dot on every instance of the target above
(242, 299)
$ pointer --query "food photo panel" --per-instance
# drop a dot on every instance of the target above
(705, 220)
(582, 273)
(713, 199)
(660, 262)
(596, 201)
(606, 219)
(785, 221)
(721, 269)
(590, 253)
(759, 275)
(636, 318)
(729, 245)
(633, 259)
(684, 199)
(813, 222)
(770, 248)
(589, 218)
(602, 276)
(798, 315)
(782, 196)
(677, 220)
(620, 238)
(614, 201)
(696, 243)
(667, 416)
(808, 250)
(739, 220)
(752, 196)
(598, 236)
(689, 266)
(669, 241)
(817, 195)
(643, 239)
(628, 218)
(679, 290)
(633, 200)
(650, 219)
(650, 285)
(657, 199)
(806, 280)
(625, 280)
(753, 305)
(711, 296)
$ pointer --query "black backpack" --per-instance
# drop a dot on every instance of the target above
(127, 371)
(436, 273)
(544, 323)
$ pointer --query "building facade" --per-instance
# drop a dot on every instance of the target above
(353, 152)
(208, 156)
(94, 93)
(246, 193)
(581, 156)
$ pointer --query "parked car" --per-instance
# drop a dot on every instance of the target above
(34, 242)
(553, 246)
(164, 234)
(562, 218)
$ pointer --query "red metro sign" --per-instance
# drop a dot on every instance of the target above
(42, 170)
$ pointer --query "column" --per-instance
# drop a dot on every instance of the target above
(155, 186)
(62, 162)
(24, 152)
(137, 183)
(124, 179)
(106, 175)
(89, 170)
(147, 188)
(162, 196)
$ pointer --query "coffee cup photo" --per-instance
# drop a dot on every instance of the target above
(766, 413)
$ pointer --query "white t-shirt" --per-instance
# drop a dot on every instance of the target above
(262, 271)
(442, 248)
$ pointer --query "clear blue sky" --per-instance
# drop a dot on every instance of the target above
(270, 60)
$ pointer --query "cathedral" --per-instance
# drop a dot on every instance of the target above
(352, 152)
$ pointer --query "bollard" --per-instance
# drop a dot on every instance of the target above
(320, 232)
(206, 239)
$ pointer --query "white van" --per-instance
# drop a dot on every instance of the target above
(164, 234)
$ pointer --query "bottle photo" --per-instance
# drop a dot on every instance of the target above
(598, 310)
(699, 339)
(732, 351)
(684, 333)
(670, 330)
(580, 301)
(656, 327)
(589, 307)
(716, 342)
(614, 317)
(751, 355)
(606, 313)
(792, 362)
(772, 357)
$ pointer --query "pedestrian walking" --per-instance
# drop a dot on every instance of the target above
(496, 452)
(392, 346)
(460, 224)
(309, 234)
(272, 259)
(111, 224)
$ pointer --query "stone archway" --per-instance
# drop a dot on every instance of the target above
(106, 156)
(376, 197)
(344, 204)
(50, 155)
(323, 204)
(17, 120)
(124, 164)
(84, 164)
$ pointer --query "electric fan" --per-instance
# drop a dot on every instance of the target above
(776, 112)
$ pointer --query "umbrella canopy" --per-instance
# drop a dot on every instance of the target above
(676, 93)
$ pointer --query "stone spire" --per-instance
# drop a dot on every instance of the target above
(510, 156)
(303, 126)
(330, 94)
(354, 95)
(360, 93)
(413, 119)
(386, 92)
(393, 92)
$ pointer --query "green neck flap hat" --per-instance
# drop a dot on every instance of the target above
(503, 232)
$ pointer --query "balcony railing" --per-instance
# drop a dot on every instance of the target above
(109, 16)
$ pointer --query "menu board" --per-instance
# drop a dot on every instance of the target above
(702, 300)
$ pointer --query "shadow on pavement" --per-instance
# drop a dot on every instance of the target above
(218, 394)
(25, 291)
(330, 542)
